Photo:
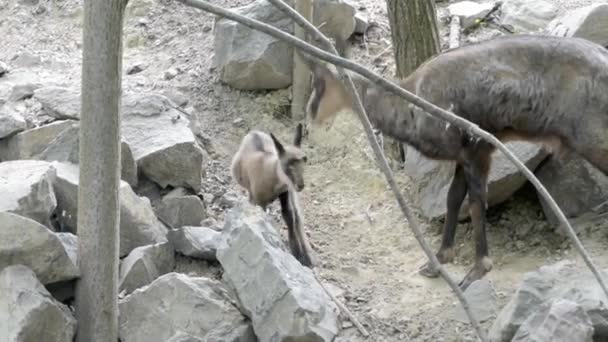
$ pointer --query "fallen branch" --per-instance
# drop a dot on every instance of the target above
(342, 307)
(422, 104)
(378, 153)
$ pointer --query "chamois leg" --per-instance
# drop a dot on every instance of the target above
(476, 173)
(456, 195)
(296, 246)
(597, 157)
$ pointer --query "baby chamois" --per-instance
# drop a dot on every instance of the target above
(269, 170)
(541, 89)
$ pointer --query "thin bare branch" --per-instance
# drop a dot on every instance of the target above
(422, 104)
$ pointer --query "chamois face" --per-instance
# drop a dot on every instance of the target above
(328, 98)
(292, 158)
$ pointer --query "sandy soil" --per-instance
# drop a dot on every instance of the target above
(355, 226)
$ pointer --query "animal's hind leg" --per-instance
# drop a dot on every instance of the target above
(295, 245)
(598, 157)
(476, 173)
(456, 195)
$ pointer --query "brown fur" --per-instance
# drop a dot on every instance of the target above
(268, 170)
(541, 89)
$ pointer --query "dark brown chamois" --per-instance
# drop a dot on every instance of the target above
(269, 170)
(541, 89)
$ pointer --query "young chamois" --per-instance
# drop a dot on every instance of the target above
(269, 170)
(541, 89)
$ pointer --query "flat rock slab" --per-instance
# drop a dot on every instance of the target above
(29, 312)
(144, 264)
(469, 11)
(433, 178)
(161, 141)
(27, 189)
(196, 242)
(138, 224)
(560, 281)
(11, 122)
(589, 22)
(282, 297)
(524, 15)
(179, 208)
(32, 142)
(176, 304)
(27, 242)
(482, 300)
(59, 102)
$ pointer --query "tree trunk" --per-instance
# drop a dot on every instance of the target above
(98, 202)
(301, 73)
(415, 38)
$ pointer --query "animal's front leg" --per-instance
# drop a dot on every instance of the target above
(477, 175)
(456, 195)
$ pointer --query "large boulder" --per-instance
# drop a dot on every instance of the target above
(28, 312)
(589, 22)
(65, 148)
(176, 304)
(138, 224)
(524, 15)
(433, 178)
(282, 297)
(558, 321)
(248, 59)
(144, 264)
(482, 301)
(539, 289)
(179, 208)
(27, 242)
(196, 242)
(575, 185)
(27, 189)
(59, 102)
(11, 122)
(30, 143)
(161, 141)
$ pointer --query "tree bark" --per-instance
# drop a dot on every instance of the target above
(98, 202)
(301, 73)
(415, 38)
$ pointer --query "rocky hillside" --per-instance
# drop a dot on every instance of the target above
(198, 263)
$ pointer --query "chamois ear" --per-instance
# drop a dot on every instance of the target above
(278, 145)
(297, 140)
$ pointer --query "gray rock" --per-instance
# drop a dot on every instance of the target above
(27, 190)
(70, 244)
(558, 321)
(482, 299)
(563, 280)
(138, 224)
(29, 312)
(229, 199)
(161, 141)
(59, 102)
(64, 148)
(4, 69)
(26, 60)
(361, 23)
(184, 337)
(248, 59)
(589, 22)
(23, 91)
(469, 11)
(136, 68)
(433, 178)
(177, 97)
(30, 143)
(27, 242)
(181, 209)
(282, 298)
(196, 242)
(11, 122)
(170, 73)
(524, 15)
(144, 264)
(176, 304)
(575, 185)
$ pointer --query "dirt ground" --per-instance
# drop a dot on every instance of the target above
(357, 231)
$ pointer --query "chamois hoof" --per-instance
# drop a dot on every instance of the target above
(428, 271)
(478, 271)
